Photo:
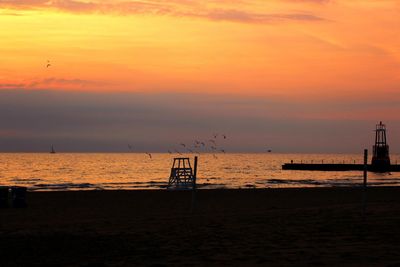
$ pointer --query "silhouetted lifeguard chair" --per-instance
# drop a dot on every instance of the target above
(182, 177)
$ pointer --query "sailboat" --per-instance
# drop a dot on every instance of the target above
(52, 150)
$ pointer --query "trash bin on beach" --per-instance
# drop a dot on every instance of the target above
(4, 196)
(18, 196)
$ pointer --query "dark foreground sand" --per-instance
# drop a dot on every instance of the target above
(272, 227)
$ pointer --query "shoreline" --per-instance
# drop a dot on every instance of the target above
(203, 187)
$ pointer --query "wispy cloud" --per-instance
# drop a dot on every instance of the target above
(59, 82)
(53, 83)
(221, 11)
(248, 17)
(12, 85)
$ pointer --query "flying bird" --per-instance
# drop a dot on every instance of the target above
(182, 144)
(223, 151)
(215, 135)
(149, 155)
(224, 136)
(48, 64)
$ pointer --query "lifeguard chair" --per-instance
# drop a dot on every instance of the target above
(182, 177)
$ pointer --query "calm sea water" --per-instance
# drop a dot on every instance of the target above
(80, 171)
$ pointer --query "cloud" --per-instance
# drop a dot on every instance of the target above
(58, 82)
(247, 17)
(31, 120)
(199, 9)
(11, 85)
(54, 83)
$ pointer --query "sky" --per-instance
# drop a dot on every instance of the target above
(288, 75)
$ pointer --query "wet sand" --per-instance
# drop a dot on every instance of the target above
(270, 227)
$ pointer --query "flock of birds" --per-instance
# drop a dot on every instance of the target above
(196, 147)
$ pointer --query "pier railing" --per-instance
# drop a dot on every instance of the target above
(338, 165)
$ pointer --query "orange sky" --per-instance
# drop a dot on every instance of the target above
(155, 72)
(256, 47)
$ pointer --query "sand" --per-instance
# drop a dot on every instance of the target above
(270, 227)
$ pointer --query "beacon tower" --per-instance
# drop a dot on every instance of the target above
(380, 158)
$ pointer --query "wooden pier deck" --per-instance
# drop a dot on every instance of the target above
(334, 167)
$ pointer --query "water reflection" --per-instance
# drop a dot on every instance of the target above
(137, 171)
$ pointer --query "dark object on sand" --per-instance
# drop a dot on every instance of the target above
(18, 196)
(4, 196)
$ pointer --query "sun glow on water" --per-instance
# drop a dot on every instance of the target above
(109, 171)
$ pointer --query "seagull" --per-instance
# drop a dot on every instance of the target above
(182, 144)
(215, 135)
(149, 155)
(48, 64)
(224, 136)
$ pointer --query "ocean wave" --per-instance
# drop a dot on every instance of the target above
(17, 179)
(65, 186)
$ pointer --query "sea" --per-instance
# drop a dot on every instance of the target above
(130, 171)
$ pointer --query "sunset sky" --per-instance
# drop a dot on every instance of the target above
(291, 75)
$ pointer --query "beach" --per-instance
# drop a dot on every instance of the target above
(271, 227)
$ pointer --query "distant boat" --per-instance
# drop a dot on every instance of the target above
(52, 150)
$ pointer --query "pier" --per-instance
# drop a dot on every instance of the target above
(380, 159)
(336, 167)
